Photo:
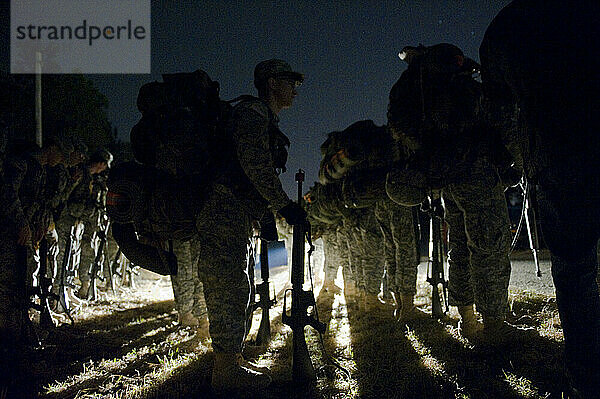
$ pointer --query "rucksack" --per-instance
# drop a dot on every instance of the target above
(181, 121)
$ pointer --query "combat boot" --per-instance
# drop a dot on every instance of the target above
(406, 309)
(229, 376)
(497, 332)
(350, 290)
(373, 306)
(82, 293)
(203, 327)
(187, 319)
(468, 326)
(330, 288)
(249, 365)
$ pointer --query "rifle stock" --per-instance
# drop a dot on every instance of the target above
(302, 367)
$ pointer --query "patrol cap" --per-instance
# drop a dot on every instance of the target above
(275, 68)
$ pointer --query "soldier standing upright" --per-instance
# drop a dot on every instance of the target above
(248, 188)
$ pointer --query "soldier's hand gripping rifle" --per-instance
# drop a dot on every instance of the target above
(435, 267)
(298, 317)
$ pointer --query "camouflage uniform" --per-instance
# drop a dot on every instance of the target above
(399, 246)
(24, 179)
(187, 288)
(371, 251)
(351, 236)
(479, 237)
(79, 208)
(331, 254)
(224, 224)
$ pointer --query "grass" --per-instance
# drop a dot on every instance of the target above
(139, 352)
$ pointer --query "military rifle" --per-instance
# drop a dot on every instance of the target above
(263, 337)
(70, 261)
(298, 318)
(528, 215)
(435, 266)
(43, 287)
(100, 236)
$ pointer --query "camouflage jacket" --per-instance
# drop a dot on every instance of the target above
(256, 139)
(23, 191)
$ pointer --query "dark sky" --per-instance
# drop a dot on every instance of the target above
(347, 50)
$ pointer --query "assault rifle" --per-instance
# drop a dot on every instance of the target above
(263, 337)
(43, 287)
(528, 215)
(435, 266)
(298, 318)
(100, 237)
(70, 261)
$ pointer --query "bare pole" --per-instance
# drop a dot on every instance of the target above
(38, 98)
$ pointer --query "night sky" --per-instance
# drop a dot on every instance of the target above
(347, 50)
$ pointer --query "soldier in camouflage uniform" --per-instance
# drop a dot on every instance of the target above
(400, 254)
(247, 190)
(433, 116)
(80, 209)
(21, 194)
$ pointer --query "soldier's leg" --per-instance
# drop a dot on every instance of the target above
(351, 276)
(223, 230)
(86, 259)
(389, 251)
(199, 309)
(344, 255)
(405, 244)
(372, 252)
(356, 257)
(460, 288)
(331, 261)
(488, 239)
(183, 284)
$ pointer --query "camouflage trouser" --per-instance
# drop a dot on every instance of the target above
(479, 239)
(332, 261)
(340, 247)
(399, 246)
(351, 235)
(371, 251)
(220, 247)
(86, 259)
(187, 288)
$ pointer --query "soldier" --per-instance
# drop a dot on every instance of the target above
(549, 115)
(432, 114)
(21, 194)
(79, 209)
(248, 189)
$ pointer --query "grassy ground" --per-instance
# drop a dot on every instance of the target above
(140, 352)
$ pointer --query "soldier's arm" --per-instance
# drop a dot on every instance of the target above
(14, 172)
(250, 133)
